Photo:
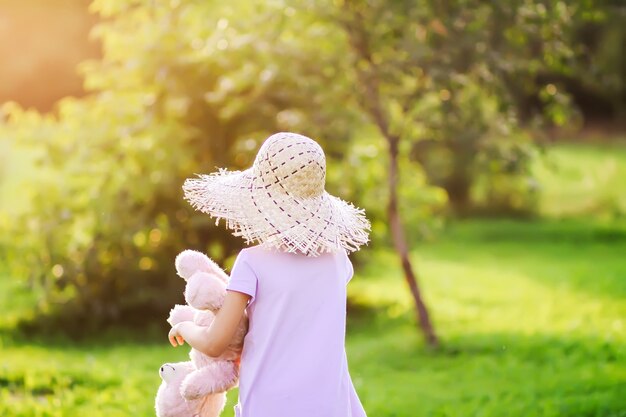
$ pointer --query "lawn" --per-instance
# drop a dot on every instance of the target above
(532, 316)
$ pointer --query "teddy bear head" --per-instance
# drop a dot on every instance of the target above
(206, 281)
(169, 402)
(175, 372)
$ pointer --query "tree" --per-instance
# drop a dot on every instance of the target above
(447, 73)
(185, 86)
(368, 77)
(454, 78)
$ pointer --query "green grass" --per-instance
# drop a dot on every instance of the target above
(532, 316)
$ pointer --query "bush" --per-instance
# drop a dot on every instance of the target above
(182, 88)
(478, 154)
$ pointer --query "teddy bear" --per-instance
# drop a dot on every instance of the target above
(205, 291)
(169, 401)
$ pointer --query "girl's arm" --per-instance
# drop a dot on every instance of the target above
(213, 340)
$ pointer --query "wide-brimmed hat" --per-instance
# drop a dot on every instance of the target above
(280, 201)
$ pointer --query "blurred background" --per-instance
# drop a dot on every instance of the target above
(492, 134)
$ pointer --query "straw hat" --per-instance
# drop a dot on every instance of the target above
(280, 202)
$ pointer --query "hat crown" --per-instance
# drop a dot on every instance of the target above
(294, 162)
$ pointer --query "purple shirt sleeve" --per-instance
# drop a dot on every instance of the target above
(242, 277)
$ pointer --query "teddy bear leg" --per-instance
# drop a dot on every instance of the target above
(213, 378)
(211, 406)
(208, 406)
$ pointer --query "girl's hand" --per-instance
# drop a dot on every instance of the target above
(176, 339)
(213, 340)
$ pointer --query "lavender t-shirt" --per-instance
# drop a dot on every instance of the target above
(294, 361)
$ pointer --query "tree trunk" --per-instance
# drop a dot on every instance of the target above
(372, 104)
(400, 244)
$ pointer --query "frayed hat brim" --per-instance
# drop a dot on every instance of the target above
(266, 214)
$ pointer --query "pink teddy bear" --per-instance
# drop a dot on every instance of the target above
(202, 386)
(170, 402)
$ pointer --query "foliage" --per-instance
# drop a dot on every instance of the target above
(449, 78)
(3, 162)
(422, 205)
(596, 74)
(531, 329)
(583, 180)
(183, 87)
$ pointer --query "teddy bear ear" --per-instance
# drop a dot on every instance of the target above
(170, 372)
(167, 372)
(190, 261)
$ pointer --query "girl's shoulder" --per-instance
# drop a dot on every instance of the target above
(254, 253)
(258, 253)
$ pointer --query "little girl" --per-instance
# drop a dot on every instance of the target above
(292, 285)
